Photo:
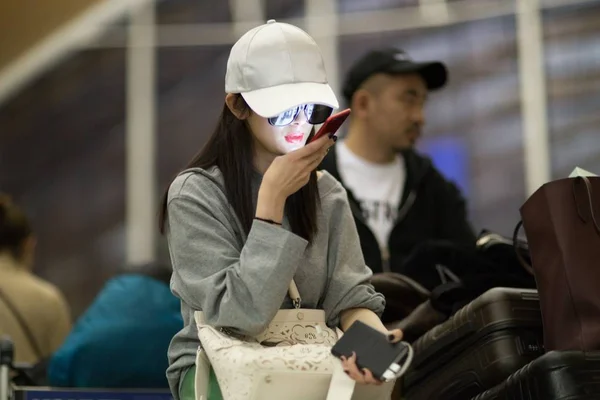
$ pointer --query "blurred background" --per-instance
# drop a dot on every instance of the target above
(103, 101)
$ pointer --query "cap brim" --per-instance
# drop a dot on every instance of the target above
(272, 101)
(434, 73)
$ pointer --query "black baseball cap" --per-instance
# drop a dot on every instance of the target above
(392, 61)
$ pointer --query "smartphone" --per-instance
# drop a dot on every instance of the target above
(332, 124)
(374, 351)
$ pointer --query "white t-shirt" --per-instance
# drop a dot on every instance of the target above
(377, 187)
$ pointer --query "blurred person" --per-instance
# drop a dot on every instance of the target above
(250, 212)
(33, 312)
(399, 200)
(121, 340)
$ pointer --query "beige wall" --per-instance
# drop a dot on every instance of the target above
(23, 23)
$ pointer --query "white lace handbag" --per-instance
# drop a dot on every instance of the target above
(290, 360)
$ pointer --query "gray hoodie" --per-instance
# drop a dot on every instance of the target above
(240, 281)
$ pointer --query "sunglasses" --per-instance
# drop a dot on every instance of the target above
(315, 114)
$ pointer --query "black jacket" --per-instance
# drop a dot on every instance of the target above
(431, 209)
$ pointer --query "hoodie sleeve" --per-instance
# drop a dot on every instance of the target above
(349, 286)
(237, 285)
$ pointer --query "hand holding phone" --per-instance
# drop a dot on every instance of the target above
(386, 361)
(332, 124)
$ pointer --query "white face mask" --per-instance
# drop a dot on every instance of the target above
(291, 137)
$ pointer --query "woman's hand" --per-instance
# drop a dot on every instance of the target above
(286, 175)
(365, 376)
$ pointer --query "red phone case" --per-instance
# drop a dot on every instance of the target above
(332, 124)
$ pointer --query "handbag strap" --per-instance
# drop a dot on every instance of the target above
(341, 386)
(588, 187)
(21, 321)
(295, 295)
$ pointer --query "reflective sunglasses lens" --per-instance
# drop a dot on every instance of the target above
(319, 114)
(308, 111)
(285, 118)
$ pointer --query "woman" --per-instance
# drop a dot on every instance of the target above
(33, 312)
(252, 213)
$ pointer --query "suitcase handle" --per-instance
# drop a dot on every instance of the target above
(520, 257)
(7, 352)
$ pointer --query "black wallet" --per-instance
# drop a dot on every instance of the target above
(373, 350)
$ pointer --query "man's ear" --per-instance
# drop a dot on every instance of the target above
(237, 106)
(360, 102)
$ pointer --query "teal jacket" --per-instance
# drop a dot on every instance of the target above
(121, 340)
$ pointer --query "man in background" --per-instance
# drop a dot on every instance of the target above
(398, 198)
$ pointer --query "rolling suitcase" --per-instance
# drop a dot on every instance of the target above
(477, 348)
(557, 375)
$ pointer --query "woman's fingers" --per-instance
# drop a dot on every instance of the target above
(311, 161)
(369, 378)
(365, 376)
(307, 152)
(395, 335)
(352, 369)
(316, 161)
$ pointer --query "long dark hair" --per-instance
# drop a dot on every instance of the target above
(230, 148)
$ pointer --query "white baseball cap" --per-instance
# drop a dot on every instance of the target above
(277, 66)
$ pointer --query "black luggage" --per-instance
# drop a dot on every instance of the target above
(478, 348)
(565, 375)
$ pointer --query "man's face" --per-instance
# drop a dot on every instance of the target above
(396, 112)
